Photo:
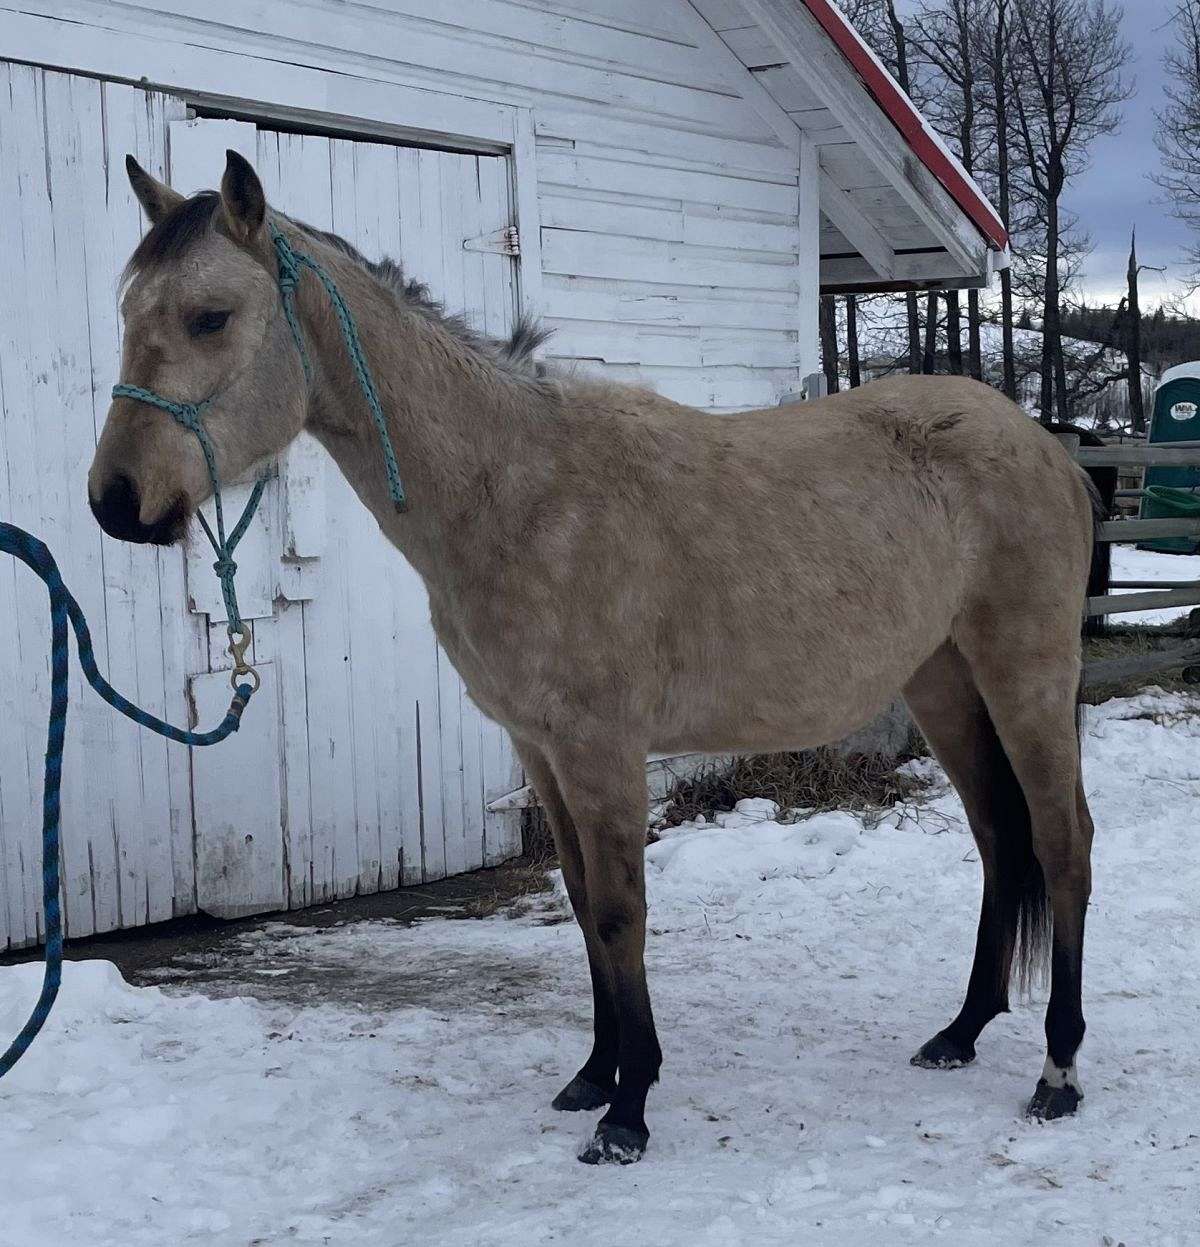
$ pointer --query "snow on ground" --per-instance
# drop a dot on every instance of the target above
(794, 968)
(1130, 563)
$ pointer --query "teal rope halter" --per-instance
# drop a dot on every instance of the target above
(189, 415)
(290, 263)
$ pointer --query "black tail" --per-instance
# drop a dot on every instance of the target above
(1102, 485)
(1023, 907)
(1100, 572)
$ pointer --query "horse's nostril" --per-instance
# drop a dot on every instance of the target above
(116, 510)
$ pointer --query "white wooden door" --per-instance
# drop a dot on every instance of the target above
(387, 765)
(68, 222)
(361, 764)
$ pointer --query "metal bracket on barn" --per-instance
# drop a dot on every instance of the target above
(506, 241)
(661, 770)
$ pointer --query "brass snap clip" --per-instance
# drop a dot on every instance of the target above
(240, 640)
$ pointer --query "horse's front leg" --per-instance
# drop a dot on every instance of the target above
(594, 1085)
(604, 788)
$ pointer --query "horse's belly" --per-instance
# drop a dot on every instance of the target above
(795, 693)
(789, 714)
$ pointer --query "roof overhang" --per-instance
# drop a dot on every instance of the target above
(899, 211)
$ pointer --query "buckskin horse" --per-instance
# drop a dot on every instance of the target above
(614, 574)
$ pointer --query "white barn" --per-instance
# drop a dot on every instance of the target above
(669, 185)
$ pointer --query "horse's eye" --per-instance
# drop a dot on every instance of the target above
(206, 322)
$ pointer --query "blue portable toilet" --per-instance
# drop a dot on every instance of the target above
(1175, 421)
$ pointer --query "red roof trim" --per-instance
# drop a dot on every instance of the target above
(905, 117)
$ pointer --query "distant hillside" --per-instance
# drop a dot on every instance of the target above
(1095, 375)
(1166, 340)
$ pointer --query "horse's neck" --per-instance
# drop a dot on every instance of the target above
(454, 420)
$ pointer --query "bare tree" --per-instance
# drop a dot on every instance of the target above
(1067, 58)
(1178, 136)
(881, 26)
(904, 77)
(853, 363)
(929, 355)
(830, 358)
(1133, 345)
(946, 37)
(992, 43)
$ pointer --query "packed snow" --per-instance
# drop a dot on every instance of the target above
(1130, 563)
(795, 966)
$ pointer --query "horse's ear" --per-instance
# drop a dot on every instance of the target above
(242, 198)
(156, 198)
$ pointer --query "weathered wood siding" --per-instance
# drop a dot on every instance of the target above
(362, 763)
(127, 849)
(672, 244)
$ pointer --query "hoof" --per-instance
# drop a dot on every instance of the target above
(615, 1145)
(1049, 1103)
(941, 1052)
(581, 1096)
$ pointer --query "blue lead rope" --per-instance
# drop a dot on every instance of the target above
(64, 610)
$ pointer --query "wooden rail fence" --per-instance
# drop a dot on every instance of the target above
(1157, 594)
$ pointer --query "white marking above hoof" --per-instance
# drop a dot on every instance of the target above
(1057, 1077)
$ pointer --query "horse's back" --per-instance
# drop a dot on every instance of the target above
(770, 578)
(861, 529)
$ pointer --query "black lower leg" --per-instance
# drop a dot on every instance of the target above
(621, 1135)
(987, 989)
(1058, 1091)
(594, 1085)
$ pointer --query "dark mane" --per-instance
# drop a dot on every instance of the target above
(193, 218)
(514, 352)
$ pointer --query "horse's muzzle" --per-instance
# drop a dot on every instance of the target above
(118, 512)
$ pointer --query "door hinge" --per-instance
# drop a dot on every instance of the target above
(505, 241)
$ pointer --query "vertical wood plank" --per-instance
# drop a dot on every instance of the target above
(162, 640)
(358, 176)
(420, 242)
(24, 690)
(182, 641)
(500, 772)
(302, 186)
(121, 822)
(239, 846)
(116, 826)
(809, 260)
(522, 175)
(454, 187)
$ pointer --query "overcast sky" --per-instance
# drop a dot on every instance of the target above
(1116, 192)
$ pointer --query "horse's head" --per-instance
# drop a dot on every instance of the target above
(204, 323)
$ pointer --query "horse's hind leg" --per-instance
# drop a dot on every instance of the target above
(596, 1081)
(952, 715)
(1031, 691)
